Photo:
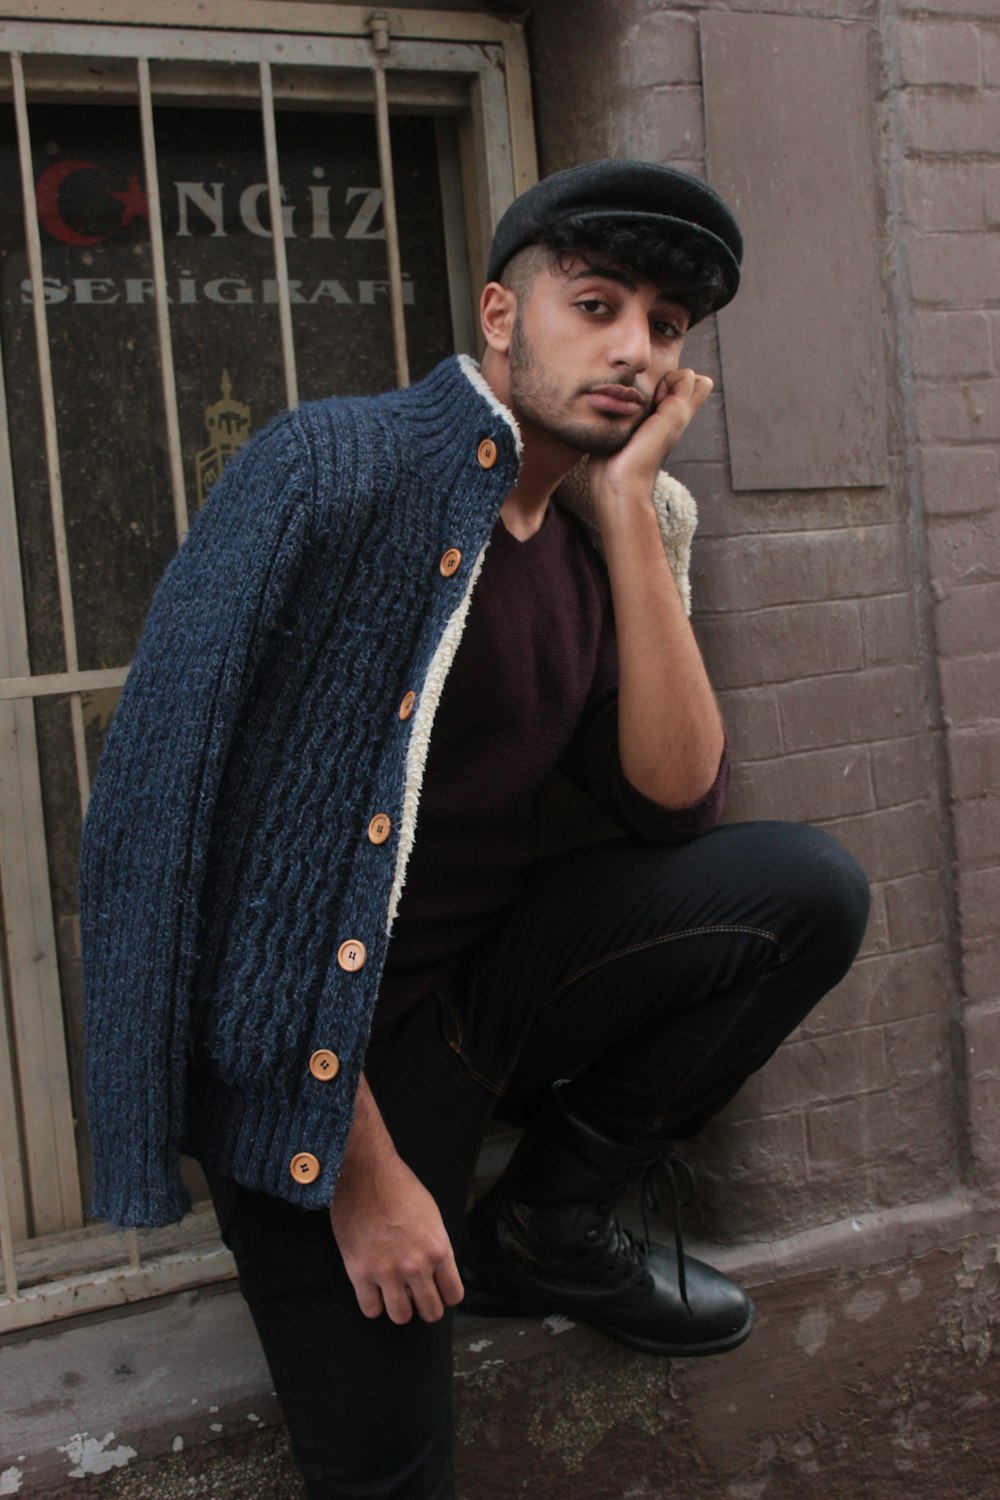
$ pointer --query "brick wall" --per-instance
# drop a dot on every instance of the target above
(948, 61)
(839, 625)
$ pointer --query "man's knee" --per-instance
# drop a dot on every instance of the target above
(826, 890)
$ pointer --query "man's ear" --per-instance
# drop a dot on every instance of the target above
(497, 311)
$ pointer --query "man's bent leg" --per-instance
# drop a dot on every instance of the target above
(367, 1402)
(664, 977)
(691, 965)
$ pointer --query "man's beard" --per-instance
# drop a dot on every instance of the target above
(535, 401)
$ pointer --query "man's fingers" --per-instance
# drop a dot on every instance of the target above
(427, 1299)
(369, 1299)
(449, 1283)
(686, 385)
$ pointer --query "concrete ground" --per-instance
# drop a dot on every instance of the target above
(868, 1374)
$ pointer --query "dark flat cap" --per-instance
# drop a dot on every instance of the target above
(641, 190)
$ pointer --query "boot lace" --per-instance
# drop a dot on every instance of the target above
(666, 1165)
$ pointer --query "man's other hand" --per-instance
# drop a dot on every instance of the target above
(389, 1230)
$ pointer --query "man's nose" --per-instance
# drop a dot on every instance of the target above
(632, 345)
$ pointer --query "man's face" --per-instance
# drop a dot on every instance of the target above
(588, 349)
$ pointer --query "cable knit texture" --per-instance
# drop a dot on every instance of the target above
(225, 855)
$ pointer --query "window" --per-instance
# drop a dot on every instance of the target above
(149, 321)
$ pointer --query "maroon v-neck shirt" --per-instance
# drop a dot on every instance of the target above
(534, 687)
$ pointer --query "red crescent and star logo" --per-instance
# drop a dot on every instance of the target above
(133, 200)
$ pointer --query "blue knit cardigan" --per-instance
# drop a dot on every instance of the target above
(226, 857)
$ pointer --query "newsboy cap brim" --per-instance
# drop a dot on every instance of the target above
(662, 197)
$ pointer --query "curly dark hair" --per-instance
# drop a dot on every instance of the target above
(681, 264)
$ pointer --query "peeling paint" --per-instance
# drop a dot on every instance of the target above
(748, 1489)
(479, 1346)
(215, 1426)
(909, 1289)
(557, 1323)
(11, 1480)
(864, 1305)
(812, 1330)
(93, 1455)
(177, 1444)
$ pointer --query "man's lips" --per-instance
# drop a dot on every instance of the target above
(624, 400)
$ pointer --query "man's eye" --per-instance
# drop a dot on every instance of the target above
(591, 304)
(666, 330)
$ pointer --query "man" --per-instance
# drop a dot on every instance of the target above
(256, 811)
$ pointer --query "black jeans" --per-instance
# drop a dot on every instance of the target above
(656, 980)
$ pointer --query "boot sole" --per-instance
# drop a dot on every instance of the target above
(490, 1305)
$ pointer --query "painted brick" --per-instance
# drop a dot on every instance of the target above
(979, 899)
(953, 343)
(960, 481)
(982, 1030)
(970, 688)
(664, 123)
(917, 1160)
(749, 1172)
(851, 563)
(980, 979)
(977, 831)
(876, 939)
(989, 48)
(917, 1046)
(944, 195)
(966, 412)
(828, 1068)
(941, 122)
(846, 10)
(889, 987)
(974, 758)
(751, 720)
(964, 551)
(903, 770)
(661, 48)
(962, 270)
(939, 52)
(967, 620)
(807, 788)
(991, 194)
(914, 909)
(775, 645)
(856, 706)
(888, 630)
(904, 1134)
(893, 841)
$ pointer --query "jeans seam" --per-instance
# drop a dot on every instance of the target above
(670, 937)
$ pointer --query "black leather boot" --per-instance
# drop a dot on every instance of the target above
(545, 1240)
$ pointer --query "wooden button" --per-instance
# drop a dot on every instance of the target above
(324, 1065)
(487, 453)
(304, 1167)
(407, 705)
(351, 955)
(379, 828)
(450, 562)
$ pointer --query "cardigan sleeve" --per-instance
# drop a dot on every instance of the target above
(146, 832)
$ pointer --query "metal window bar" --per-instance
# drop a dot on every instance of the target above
(49, 416)
(162, 306)
(380, 42)
(497, 127)
(278, 232)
